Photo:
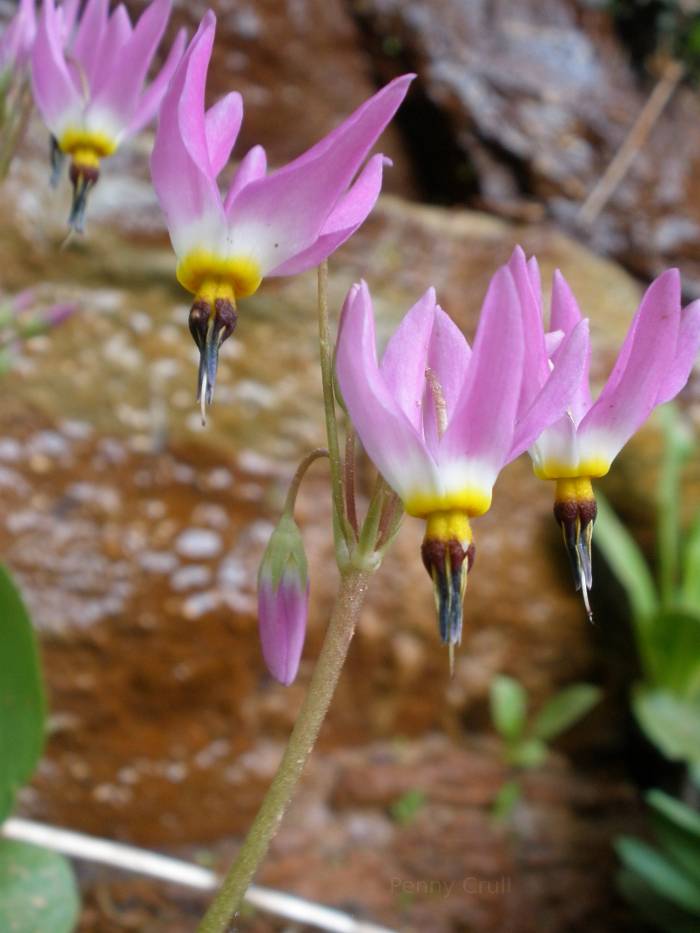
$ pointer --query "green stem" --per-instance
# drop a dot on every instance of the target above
(291, 499)
(326, 351)
(353, 587)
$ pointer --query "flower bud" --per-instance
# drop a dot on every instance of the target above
(283, 600)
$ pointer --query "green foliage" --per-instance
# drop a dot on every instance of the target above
(405, 809)
(668, 26)
(663, 883)
(525, 747)
(22, 707)
(508, 707)
(37, 890)
(665, 612)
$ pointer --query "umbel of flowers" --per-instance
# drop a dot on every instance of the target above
(267, 223)
(90, 84)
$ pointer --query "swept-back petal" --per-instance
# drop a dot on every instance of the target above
(18, 37)
(120, 91)
(391, 441)
(252, 166)
(153, 95)
(448, 359)
(87, 46)
(482, 426)
(348, 214)
(536, 370)
(277, 217)
(222, 123)
(633, 387)
(558, 392)
(116, 35)
(187, 193)
(566, 316)
(406, 355)
(55, 92)
(686, 354)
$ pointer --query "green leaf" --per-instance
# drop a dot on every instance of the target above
(508, 707)
(654, 909)
(37, 890)
(674, 646)
(661, 875)
(506, 801)
(690, 583)
(530, 753)
(670, 722)
(628, 564)
(564, 709)
(22, 705)
(405, 809)
(625, 558)
(677, 828)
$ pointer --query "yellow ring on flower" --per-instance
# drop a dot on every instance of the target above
(200, 268)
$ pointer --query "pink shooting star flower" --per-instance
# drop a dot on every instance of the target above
(272, 224)
(440, 420)
(89, 86)
(17, 40)
(652, 367)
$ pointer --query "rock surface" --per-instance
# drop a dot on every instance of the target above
(534, 99)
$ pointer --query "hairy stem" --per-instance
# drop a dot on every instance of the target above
(351, 594)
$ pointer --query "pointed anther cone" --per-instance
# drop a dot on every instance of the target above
(575, 511)
(83, 178)
(211, 323)
(448, 555)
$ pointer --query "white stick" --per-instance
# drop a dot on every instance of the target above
(176, 871)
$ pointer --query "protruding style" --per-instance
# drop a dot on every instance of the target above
(267, 224)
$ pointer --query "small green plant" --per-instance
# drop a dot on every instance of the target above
(666, 611)
(526, 745)
(37, 888)
(663, 884)
(405, 809)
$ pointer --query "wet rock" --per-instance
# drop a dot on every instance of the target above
(534, 100)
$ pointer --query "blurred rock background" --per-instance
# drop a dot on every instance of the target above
(136, 534)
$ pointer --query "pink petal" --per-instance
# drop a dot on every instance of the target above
(116, 35)
(87, 47)
(187, 193)
(17, 39)
(282, 614)
(350, 211)
(686, 354)
(556, 448)
(55, 93)
(153, 95)
(277, 217)
(448, 358)
(483, 423)
(222, 123)
(252, 166)
(405, 358)
(566, 316)
(645, 361)
(536, 369)
(552, 341)
(120, 90)
(556, 396)
(387, 435)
